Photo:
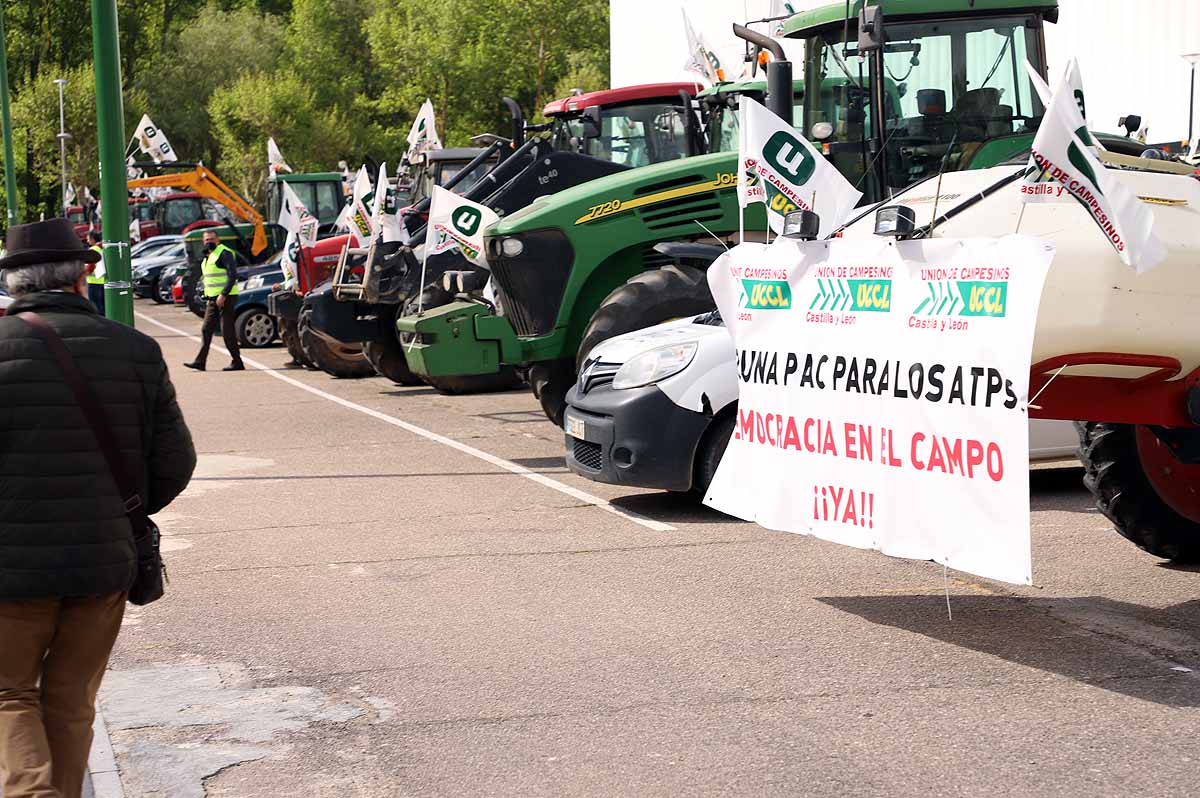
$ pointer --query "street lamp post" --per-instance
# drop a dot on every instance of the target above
(1191, 58)
(110, 136)
(63, 135)
(10, 169)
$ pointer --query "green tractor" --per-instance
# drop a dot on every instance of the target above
(944, 89)
(321, 193)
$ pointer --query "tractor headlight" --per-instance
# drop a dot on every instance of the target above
(657, 364)
(511, 247)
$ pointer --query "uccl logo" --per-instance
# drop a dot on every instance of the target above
(790, 157)
(466, 220)
(766, 295)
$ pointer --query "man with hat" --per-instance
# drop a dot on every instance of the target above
(67, 556)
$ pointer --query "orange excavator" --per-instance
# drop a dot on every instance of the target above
(203, 182)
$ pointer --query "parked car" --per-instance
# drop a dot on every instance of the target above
(256, 327)
(152, 246)
(147, 270)
(655, 409)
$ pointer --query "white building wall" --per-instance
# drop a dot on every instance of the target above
(1129, 51)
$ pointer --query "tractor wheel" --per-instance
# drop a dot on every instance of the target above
(550, 382)
(290, 334)
(647, 299)
(333, 357)
(387, 358)
(255, 328)
(709, 453)
(1151, 498)
(456, 385)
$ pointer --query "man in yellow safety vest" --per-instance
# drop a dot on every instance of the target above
(218, 277)
(95, 277)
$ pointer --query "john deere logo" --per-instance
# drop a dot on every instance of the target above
(467, 220)
(790, 157)
(766, 295)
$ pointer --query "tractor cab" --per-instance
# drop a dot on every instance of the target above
(719, 108)
(141, 213)
(321, 193)
(78, 217)
(911, 87)
(632, 126)
(175, 212)
(439, 167)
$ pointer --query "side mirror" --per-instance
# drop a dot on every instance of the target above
(1131, 124)
(591, 122)
(870, 29)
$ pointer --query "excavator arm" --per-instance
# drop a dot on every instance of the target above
(207, 184)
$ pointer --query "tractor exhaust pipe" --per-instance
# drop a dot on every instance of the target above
(518, 122)
(779, 72)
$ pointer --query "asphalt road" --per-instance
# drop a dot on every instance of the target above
(365, 601)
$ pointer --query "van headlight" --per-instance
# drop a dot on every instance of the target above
(657, 364)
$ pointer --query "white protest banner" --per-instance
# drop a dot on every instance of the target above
(153, 142)
(882, 394)
(790, 172)
(361, 205)
(384, 216)
(455, 222)
(423, 136)
(1062, 160)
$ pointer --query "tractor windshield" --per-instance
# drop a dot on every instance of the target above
(77, 217)
(722, 122)
(633, 135)
(179, 213)
(947, 88)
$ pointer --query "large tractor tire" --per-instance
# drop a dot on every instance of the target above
(646, 299)
(387, 358)
(289, 333)
(345, 361)
(1151, 498)
(456, 385)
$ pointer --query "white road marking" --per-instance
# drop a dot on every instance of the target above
(499, 462)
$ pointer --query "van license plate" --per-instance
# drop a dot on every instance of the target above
(576, 427)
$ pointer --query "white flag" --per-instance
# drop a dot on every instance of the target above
(1061, 160)
(457, 222)
(385, 220)
(275, 158)
(135, 231)
(69, 194)
(294, 216)
(423, 135)
(361, 206)
(153, 142)
(700, 59)
(777, 166)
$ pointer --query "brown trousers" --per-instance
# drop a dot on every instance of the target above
(53, 653)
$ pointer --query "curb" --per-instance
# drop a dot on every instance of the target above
(103, 779)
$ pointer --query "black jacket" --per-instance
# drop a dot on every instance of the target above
(63, 530)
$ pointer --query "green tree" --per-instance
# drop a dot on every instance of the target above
(212, 50)
(281, 105)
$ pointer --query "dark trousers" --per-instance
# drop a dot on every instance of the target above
(96, 294)
(225, 317)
